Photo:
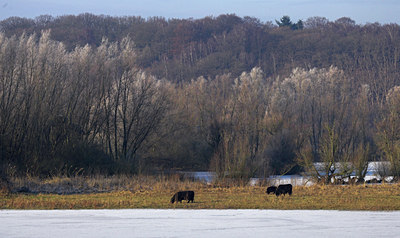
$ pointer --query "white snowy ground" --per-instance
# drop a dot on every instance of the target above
(198, 223)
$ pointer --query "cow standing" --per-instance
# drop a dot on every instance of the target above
(183, 195)
(283, 189)
(271, 189)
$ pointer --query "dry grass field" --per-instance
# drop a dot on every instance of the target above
(122, 193)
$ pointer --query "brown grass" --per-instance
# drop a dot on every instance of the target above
(146, 192)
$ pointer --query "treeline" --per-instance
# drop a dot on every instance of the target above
(184, 49)
(326, 92)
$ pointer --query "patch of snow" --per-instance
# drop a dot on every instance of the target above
(198, 223)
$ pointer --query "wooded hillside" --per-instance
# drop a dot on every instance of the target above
(98, 94)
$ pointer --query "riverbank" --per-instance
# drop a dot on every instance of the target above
(377, 197)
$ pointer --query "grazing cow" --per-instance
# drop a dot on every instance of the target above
(283, 189)
(183, 195)
(271, 189)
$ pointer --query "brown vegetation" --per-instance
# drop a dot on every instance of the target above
(150, 193)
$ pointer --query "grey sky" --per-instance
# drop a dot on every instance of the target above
(362, 11)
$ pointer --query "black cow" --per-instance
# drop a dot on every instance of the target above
(183, 195)
(271, 189)
(283, 189)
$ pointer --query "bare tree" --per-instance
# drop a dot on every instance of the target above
(389, 131)
(318, 102)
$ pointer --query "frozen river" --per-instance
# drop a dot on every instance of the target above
(198, 223)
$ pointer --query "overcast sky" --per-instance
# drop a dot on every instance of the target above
(362, 11)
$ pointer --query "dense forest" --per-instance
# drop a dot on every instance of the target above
(94, 94)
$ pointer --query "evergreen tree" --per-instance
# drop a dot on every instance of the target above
(286, 22)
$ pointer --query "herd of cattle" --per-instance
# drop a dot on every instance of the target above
(189, 195)
(281, 189)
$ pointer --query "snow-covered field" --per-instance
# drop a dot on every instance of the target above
(198, 223)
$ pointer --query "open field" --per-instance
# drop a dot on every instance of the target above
(157, 194)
